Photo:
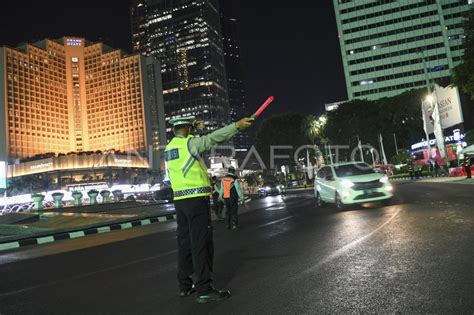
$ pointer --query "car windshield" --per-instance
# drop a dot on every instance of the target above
(353, 170)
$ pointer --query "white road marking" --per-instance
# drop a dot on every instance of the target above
(352, 244)
(275, 222)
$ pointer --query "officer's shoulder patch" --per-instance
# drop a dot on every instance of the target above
(172, 154)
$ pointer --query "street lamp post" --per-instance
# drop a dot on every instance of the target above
(373, 157)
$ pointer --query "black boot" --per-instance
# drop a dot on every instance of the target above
(188, 292)
(213, 295)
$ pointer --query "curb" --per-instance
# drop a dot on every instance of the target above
(81, 233)
(408, 178)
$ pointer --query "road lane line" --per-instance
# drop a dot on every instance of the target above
(345, 248)
(89, 274)
(275, 222)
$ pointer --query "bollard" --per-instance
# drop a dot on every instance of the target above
(118, 195)
(58, 199)
(38, 200)
(105, 196)
(77, 195)
(93, 196)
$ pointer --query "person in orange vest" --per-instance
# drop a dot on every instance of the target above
(232, 194)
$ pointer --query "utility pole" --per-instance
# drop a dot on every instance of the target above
(428, 88)
(396, 145)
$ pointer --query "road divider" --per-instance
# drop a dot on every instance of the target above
(46, 239)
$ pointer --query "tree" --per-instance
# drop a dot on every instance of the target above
(253, 179)
(463, 74)
(310, 127)
(365, 120)
(280, 130)
(402, 157)
(469, 137)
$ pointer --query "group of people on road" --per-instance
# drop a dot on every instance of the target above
(192, 191)
(436, 169)
(228, 193)
(414, 170)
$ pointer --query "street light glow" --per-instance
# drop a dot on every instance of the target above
(430, 98)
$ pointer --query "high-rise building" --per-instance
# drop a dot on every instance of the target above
(392, 46)
(185, 35)
(70, 95)
(235, 76)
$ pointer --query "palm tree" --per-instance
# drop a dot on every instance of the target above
(310, 127)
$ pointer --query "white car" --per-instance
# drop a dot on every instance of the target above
(351, 183)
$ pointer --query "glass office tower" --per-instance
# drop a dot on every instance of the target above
(185, 35)
(392, 46)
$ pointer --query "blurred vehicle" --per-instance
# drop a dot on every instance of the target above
(351, 183)
(270, 189)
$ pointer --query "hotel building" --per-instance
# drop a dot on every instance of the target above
(70, 95)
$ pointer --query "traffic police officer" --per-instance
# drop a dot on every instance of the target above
(192, 188)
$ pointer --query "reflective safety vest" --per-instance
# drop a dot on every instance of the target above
(188, 176)
(227, 183)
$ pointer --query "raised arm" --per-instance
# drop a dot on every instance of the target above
(199, 145)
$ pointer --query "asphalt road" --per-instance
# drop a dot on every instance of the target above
(288, 258)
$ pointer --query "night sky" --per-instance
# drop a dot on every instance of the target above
(291, 49)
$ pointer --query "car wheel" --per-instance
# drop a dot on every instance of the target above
(319, 201)
(339, 204)
(387, 202)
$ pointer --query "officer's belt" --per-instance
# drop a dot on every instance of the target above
(194, 191)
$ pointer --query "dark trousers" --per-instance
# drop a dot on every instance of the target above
(232, 206)
(195, 244)
(468, 171)
(217, 205)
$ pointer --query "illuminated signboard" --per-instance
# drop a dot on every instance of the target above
(47, 165)
(73, 42)
(3, 175)
(456, 137)
(87, 187)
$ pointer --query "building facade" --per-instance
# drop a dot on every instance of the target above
(70, 95)
(392, 46)
(235, 77)
(185, 35)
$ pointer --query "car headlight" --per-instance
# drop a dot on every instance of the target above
(389, 188)
(384, 180)
(346, 194)
(267, 188)
(347, 183)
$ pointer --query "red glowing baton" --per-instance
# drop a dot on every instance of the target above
(262, 108)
